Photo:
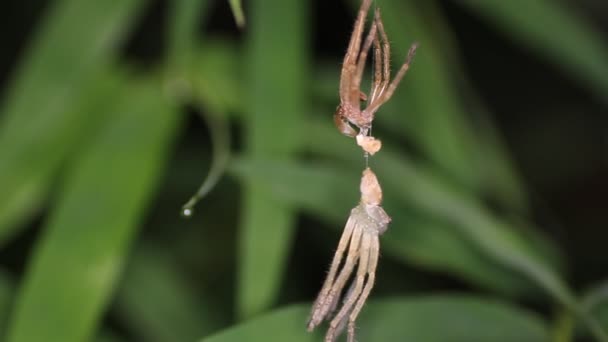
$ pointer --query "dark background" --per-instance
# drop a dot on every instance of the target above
(554, 128)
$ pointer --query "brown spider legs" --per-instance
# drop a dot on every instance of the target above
(382, 88)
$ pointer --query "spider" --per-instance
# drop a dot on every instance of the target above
(349, 111)
(367, 221)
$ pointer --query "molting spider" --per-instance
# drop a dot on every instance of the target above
(368, 220)
(349, 111)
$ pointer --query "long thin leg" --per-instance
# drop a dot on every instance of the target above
(386, 55)
(377, 80)
(355, 39)
(344, 321)
(350, 58)
(316, 316)
(371, 277)
(356, 81)
(347, 270)
(372, 108)
(359, 282)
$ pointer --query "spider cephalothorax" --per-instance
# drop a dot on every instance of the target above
(349, 111)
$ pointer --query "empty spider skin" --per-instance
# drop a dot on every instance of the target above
(349, 111)
(358, 247)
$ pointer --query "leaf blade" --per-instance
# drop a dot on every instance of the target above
(75, 42)
(276, 91)
(96, 216)
(445, 318)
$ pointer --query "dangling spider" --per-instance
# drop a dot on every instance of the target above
(349, 111)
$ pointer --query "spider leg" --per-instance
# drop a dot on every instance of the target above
(317, 315)
(351, 299)
(386, 95)
(342, 325)
(350, 58)
(336, 288)
(385, 59)
(374, 251)
(377, 80)
(356, 81)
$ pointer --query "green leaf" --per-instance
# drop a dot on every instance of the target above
(184, 21)
(41, 124)
(156, 301)
(553, 31)
(71, 274)
(237, 10)
(445, 318)
(595, 304)
(276, 100)
(217, 81)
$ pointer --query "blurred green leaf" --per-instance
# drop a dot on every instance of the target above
(430, 319)
(331, 191)
(77, 260)
(595, 303)
(237, 10)
(554, 32)
(285, 324)
(184, 20)
(217, 80)
(40, 123)
(156, 301)
(277, 100)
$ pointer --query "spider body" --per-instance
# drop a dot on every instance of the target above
(349, 111)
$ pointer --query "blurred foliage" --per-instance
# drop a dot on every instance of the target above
(433, 319)
(92, 181)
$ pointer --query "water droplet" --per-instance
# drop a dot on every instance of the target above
(187, 212)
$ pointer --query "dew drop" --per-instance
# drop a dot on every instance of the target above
(187, 212)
